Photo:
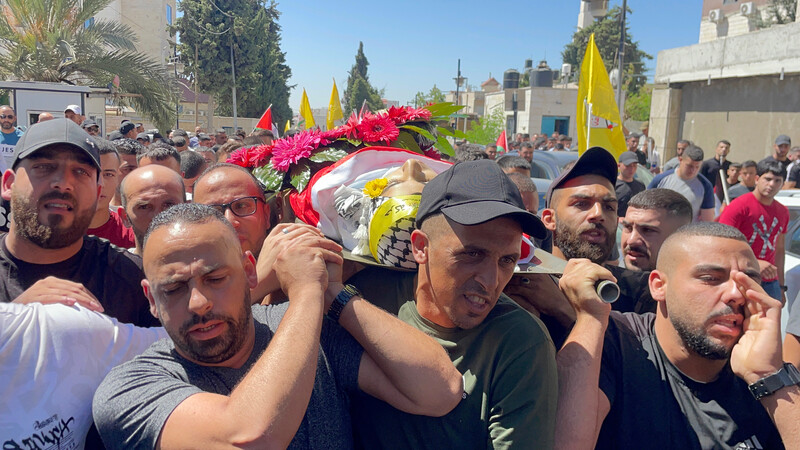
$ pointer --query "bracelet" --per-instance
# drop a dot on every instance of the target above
(348, 292)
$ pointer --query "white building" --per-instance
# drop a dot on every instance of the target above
(148, 19)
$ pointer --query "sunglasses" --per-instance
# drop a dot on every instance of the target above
(6, 116)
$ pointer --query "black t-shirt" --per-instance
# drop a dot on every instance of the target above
(5, 215)
(634, 295)
(653, 405)
(794, 174)
(112, 274)
(625, 190)
(710, 169)
(771, 158)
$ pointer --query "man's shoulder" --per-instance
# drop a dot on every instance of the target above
(508, 321)
(109, 254)
(662, 177)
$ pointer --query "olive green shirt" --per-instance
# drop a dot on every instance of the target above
(510, 382)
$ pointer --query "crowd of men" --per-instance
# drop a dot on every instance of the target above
(186, 259)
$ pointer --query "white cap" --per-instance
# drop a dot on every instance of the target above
(74, 108)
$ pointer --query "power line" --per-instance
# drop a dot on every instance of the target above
(215, 6)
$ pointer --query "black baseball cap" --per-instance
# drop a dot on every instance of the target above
(89, 123)
(53, 132)
(143, 136)
(474, 192)
(126, 127)
(595, 161)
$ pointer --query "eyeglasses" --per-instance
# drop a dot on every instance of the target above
(6, 116)
(241, 207)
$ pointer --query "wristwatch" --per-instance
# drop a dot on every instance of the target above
(787, 376)
(349, 291)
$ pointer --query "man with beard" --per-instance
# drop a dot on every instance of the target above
(704, 372)
(652, 216)
(45, 257)
(764, 222)
(268, 376)
(581, 212)
(145, 193)
(9, 134)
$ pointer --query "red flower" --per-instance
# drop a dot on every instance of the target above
(432, 153)
(377, 128)
(405, 114)
(259, 155)
(348, 130)
(290, 150)
(240, 157)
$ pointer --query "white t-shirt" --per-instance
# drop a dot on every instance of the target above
(52, 358)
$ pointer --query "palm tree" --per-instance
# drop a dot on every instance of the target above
(47, 40)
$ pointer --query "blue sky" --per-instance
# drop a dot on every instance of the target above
(413, 45)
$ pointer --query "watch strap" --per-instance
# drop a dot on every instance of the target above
(787, 376)
(348, 292)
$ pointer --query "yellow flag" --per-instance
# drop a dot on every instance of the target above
(305, 111)
(288, 125)
(598, 119)
(334, 108)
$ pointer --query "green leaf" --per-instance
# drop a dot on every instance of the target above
(406, 140)
(330, 154)
(301, 174)
(443, 109)
(269, 176)
(419, 130)
(449, 131)
(444, 146)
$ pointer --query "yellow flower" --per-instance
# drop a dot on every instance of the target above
(375, 187)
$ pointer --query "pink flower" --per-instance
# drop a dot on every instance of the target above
(290, 150)
(240, 157)
(259, 155)
(377, 128)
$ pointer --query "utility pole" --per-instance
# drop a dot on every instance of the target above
(621, 57)
(233, 88)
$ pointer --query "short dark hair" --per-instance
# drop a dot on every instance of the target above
(192, 164)
(159, 151)
(707, 229)
(189, 213)
(773, 167)
(128, 146)
(693, 152)
(723, 141)
(685, 141)
(491, 145)
(104, 147)
(260, 132)
(523, 183)
(749, 163)
(675, 204)
(736, 165)
(179, 141)
(179, 132)
(513, 162)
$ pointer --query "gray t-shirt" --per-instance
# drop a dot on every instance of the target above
(698, 190)
(134, 401)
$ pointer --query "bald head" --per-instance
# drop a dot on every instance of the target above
(45, 116)
(148, 176)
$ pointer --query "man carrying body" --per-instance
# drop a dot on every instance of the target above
(145, 192)
(652, 216)
(673, 163)
(467, 243)
(687, 181)
(266, 376)
(711, 167)
(106, 223)
(581, 211)
(764, 222)
(780, 151)
(679, 378)
(46, 257)
(626, 186)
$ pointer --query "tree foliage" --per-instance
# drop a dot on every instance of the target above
(606, 35)
(488, 128)
(637, 106)
(435, 95)
(49, 40)
(251, 28)
(778, 12)
(359, 88)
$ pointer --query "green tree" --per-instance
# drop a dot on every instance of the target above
(488, 128)
(637, 106)
(778, 12)
(251, 28)
(606, 35)
(47, 40)
(358, 88)
(435, 95)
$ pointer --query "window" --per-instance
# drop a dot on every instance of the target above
(89, 22)
(169, 14)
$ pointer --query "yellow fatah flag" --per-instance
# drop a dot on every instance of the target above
(599, 123)
(288, 125)
(305, 111)
(334, 108)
